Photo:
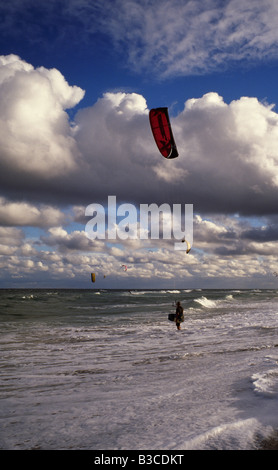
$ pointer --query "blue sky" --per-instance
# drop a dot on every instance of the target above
(77, 79)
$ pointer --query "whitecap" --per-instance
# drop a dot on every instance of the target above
(266, 383)
(207, 303)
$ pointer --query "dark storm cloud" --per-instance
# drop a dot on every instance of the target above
(262, 234)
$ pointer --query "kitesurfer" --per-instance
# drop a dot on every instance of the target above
(179, 315)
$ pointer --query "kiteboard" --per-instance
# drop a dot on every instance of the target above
(172, 317)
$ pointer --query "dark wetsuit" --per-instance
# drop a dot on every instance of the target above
(179, 316)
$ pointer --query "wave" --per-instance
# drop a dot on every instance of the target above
(266, 383)
(207, 303)
(240, 434)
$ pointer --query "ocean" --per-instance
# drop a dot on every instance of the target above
(106, 370)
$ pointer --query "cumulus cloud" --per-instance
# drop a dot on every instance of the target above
(228, 164)
(11, 235)
(18, 213)
(223, 251)
(228, 151)
(113, 137)
(35, 134)
(64, 241)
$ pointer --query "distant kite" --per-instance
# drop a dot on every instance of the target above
(162, 132)
(188, 245)
(93, 277)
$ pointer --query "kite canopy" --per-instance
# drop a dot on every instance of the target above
(93, 277)
(162, 132)
(188, 245)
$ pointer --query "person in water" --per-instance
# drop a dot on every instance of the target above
(179, 315)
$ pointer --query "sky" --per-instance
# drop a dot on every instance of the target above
(77, 81)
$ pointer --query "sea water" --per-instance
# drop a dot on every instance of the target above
(106, 370)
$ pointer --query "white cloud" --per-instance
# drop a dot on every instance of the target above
(35, 134)
(114, 138)
(11, 235)
(161, 37)
(65, 241)
(221, 252)
(19, 213)
(186, 37)
(228, 163)
(228, 152)
(10, 240)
